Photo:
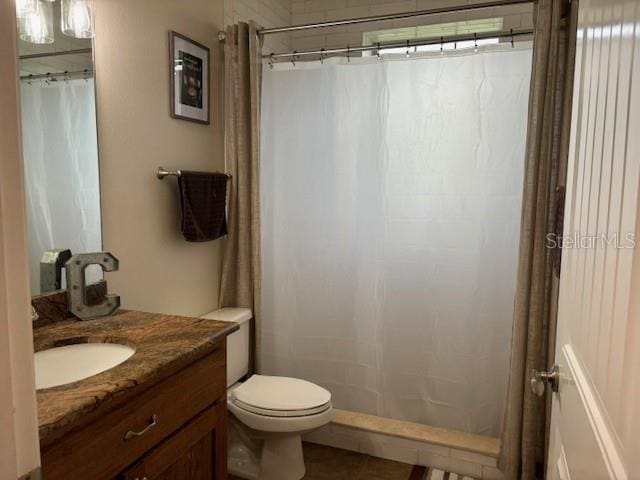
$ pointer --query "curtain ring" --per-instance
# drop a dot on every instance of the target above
(407, 48)
(475, 42)
(47, 78)
(441, 45)
(322, 55)
(30, 79)
(66, 76)
(271, 60)
(512, 45)
(378, 51)
(293, 57)
(85, 75)
(348, 54)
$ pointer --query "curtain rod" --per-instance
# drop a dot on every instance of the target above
(393, 16)
(379, 18)
(53, 76)
(405, 44)
(55, 54)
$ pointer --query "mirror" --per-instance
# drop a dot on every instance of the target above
(59, 134)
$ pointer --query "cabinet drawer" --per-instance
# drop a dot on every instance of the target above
(196, 452)
(107, 446)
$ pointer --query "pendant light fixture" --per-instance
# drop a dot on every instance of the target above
(35, 21)
(23, 7)
(77, 18)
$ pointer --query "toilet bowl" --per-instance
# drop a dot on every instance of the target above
(269, 414)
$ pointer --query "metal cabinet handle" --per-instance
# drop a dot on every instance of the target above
(131, 433)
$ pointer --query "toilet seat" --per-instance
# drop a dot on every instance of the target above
(280, 397)
(281, 413)
(282, 425)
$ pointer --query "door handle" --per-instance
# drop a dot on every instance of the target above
(539, 380)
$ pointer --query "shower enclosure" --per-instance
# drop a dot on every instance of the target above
(390, 194)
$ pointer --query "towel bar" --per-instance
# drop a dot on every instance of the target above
(161, 173)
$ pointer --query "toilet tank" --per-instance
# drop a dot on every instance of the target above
(238, 343)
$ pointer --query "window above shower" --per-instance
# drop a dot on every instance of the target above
(481, 21)
(435, 31)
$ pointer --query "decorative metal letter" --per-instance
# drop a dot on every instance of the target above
(77, 289)
(51, 269)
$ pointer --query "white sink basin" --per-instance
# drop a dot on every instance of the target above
(62, 365)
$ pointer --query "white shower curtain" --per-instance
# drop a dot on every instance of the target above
(391, 195)
(60, 152)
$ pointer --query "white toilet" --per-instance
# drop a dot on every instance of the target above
(269, 414)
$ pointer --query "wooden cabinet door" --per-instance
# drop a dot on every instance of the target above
(196, 464)
(196, 452)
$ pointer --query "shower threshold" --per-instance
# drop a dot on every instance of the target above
(413, 443)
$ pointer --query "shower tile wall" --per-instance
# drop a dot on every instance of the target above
(267, 13)
(308, 11)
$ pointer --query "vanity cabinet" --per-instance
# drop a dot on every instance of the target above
(175, 429)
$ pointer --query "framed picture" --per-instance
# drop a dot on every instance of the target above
(189, 72)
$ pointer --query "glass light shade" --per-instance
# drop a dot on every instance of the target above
(77, 18)
(36, 23)
(23, 7)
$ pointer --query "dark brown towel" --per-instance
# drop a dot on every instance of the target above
(203, 199)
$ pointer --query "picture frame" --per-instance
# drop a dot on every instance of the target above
(190, 77)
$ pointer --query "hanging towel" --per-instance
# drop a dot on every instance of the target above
(203, 200)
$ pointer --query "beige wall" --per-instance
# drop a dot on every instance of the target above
(311, 11)
(19, 449)
(159, 271)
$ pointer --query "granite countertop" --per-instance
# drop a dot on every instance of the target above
(164, 344)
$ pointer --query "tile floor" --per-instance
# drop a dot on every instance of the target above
(328, 463)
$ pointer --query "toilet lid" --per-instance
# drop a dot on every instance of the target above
(281, 396)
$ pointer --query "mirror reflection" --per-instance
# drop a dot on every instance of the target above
(59, 135)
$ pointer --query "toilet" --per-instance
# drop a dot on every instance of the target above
(268, 414)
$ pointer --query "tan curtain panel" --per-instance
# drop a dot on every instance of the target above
(240, 285)
(523, 437)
